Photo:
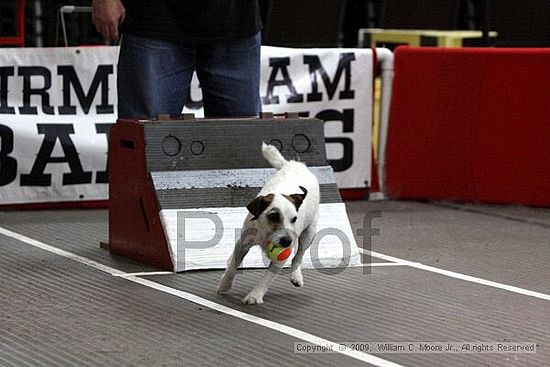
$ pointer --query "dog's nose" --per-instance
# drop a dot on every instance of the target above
(285, 241)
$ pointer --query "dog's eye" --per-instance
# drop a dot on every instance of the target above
(294, 220)
(273, 217)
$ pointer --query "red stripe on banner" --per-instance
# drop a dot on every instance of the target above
(97, 204)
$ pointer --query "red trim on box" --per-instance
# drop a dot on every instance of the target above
(135, 228)
(354, 194)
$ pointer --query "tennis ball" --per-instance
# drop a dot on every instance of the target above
(278, 253)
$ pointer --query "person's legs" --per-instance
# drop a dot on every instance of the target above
(229, 74)
(153, 77)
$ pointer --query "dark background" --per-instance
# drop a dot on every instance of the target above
(326, 23)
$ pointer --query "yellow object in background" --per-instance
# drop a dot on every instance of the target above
(378, 37)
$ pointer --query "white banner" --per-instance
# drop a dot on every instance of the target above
(56, 105)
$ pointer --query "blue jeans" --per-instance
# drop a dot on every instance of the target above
(154, 77)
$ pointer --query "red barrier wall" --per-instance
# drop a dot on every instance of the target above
(470, 124)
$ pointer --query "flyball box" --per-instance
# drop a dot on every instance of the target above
(178, 189)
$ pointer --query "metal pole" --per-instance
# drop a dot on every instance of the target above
(38, 29)
(485, 23)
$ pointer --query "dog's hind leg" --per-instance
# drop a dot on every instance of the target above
(256, 296)
(234, 262)
(305, 240)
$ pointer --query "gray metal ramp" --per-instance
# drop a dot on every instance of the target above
(448, 273)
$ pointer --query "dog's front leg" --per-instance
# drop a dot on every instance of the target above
(296, 277)
(256, 296)
(234, 262)
(305, 240)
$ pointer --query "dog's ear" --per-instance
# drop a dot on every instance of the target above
(297, 199)
(258, 205)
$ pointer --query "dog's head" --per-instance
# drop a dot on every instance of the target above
(278, 216)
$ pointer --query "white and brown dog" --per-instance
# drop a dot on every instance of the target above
(284, 213)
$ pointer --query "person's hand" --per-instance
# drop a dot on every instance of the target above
(107, 15)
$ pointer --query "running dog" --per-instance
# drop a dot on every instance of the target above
(284, 213)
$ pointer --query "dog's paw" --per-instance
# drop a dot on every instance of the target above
(297, 279)
(253, 299)
(223, 290)
(224, 287)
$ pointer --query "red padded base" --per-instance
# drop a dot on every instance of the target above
(470, 125)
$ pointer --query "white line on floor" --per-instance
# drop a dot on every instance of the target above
(460, 276)
(153, 273)
(379, 264)
(295, 333)
(143, 274)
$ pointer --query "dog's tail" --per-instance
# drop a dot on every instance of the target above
(273, 156)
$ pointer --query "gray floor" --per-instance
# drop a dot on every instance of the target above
(56, 311)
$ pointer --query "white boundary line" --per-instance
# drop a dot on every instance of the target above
(366, 265)
(290, 331)
(144, 274)
(460, 276)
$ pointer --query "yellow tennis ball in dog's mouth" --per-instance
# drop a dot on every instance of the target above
(278, 253)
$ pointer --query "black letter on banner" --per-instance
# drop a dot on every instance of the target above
(315, 66)
(103, 176)
(8, 165)
(52, 132)
(27, 72)
(347, 118)
(280, 63)
(5, 72)
(70, 78)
